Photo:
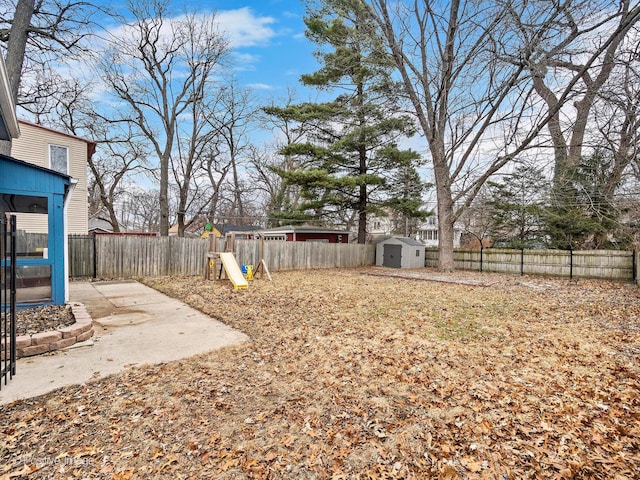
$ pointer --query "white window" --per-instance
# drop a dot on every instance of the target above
(59, 158)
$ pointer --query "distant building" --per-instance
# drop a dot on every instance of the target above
(306, 233)
(99, 226)
(428, 233)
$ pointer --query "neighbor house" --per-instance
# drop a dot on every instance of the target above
(64, 153)
(428, 232)
(306, 233)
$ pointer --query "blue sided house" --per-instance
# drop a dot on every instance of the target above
(38, 197)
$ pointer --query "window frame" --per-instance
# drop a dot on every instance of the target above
(66, 147)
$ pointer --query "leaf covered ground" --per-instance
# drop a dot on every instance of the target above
(349, 375)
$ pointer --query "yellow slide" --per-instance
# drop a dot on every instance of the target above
(233, 270)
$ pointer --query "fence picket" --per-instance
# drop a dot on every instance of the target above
(605, 264)
(129, 256)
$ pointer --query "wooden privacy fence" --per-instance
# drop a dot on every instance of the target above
(82, 256)
(130, 256)
(605, 264)
(281, 255)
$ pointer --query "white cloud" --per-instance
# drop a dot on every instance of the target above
(244, 28)
(260, 86)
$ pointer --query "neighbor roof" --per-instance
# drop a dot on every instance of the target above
(303, 229)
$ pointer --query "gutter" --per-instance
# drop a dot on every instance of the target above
(67, 200)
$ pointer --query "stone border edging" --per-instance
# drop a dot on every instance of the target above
(43, 342)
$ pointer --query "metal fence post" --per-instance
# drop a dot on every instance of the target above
(14, 259)
(570, 263)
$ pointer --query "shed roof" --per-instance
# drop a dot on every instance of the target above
(406, 240)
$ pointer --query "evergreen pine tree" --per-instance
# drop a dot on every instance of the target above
(350, 148)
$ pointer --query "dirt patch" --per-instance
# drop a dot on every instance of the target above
(356, 376)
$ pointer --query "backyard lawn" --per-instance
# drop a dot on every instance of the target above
(350, 375)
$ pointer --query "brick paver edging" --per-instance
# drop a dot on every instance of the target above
(43, 342)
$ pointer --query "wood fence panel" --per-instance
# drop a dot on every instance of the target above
(81, 255)
(280, 255)
(609, 264)
(606, 264)
(130, 256)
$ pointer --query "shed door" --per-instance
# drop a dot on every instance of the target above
(392, 255)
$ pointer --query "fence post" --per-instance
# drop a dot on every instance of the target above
(95, 257)
(481, 250)
(570, 263)
(521, 262)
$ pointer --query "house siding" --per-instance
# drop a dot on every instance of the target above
(33, 147)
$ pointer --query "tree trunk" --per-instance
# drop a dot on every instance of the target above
(164, 195)
(17, 44)
(445, 218)
(362, 169)
(362, 215)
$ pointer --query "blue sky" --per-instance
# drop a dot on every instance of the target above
(269, 47)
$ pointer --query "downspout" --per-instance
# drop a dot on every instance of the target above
(67, 199)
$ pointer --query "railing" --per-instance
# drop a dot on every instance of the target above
(7, 298)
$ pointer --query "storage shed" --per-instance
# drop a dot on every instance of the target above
(400, 252)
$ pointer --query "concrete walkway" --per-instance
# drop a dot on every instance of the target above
(134, 325)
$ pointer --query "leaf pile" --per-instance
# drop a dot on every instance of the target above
(42, 319)
(355, 376)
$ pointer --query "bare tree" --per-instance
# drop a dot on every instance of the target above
(474, 108)
(158, 67)
(120, 154)
(266, 180)
(116, 161)
(231, 118)
(617, 116)
(139, 209)
(558, 52)
(36, 33)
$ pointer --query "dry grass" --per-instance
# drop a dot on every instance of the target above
(356, 376)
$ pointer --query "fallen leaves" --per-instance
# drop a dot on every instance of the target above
(358, 377)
